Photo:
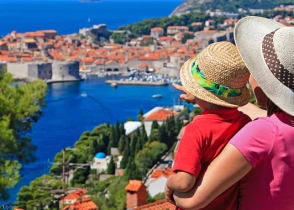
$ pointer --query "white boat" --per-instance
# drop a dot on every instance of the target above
(156, 96)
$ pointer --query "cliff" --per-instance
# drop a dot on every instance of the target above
(226, 5)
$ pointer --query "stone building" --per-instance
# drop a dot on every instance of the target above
(156, 32)
(50, 72)
(65, 71)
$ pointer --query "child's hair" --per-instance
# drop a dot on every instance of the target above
(272, 108)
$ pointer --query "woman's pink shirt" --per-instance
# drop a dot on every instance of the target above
(268, 144)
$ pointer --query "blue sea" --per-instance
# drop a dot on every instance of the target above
(68, 16)
(73, 108)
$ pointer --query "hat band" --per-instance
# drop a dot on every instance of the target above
(273, 62)
(218, 89)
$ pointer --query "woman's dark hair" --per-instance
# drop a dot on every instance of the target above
(272, 108)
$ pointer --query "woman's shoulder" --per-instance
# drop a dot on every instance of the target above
(262, 123)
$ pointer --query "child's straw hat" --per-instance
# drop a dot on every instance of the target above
(217, 75)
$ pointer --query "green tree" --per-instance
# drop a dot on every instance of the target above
(39, 194)
(149, 155)
(80, 175)
(19, 109)
(121, 143)
(111, 166)
(131, 170)
(144, 136)
(140, 115)
(186, 37)
(119, 37)
(126, 155)
(154, 125)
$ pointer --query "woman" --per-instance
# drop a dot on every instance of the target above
(262, 153)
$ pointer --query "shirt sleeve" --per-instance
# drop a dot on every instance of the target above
(188, 156)
(255, 140)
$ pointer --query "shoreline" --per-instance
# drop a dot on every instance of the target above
(119, 82)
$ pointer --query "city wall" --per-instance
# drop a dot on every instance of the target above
(50, 72)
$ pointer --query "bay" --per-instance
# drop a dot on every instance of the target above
(74, 107)
(68, 16)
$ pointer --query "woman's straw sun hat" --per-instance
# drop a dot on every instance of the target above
(267, 48)
(217, 75)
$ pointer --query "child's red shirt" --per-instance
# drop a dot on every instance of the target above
(203, 140)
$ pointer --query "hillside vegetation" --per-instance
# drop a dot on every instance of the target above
(227, 5)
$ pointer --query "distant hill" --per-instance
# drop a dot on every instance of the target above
(227, 5)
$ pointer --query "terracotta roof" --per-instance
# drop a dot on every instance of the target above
(151, 57)
(75, 195)
(176, 43)
(178, 27)
(157, 205)
(85, 204)
(208, 31)
(157, 29)
(196, 24)
(29, 40)
(143, 65)
(8, 59)
(87, 60)
(159, 173)
(160, 115)
(134, 185)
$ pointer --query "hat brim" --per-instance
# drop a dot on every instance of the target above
(249, 33)
(195, 89)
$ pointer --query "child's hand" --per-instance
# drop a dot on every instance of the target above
(169, 194)
(189, 98)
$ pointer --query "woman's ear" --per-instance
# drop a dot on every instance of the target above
(261, 98)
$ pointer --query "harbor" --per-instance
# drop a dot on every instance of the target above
(131, 82)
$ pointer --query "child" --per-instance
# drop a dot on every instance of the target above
(217, 79)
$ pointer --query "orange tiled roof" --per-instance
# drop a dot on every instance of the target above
(196, 24)
(178, 27)
(176, 43)
(85, 204)
(159, 173)
(4, 52)
(208, 31)
(160, 115)
(157, 29)
(134, 185)
(143, 65)
(8, 59)
(75, 195)
(157, 205)
(151, 57)
(87, 60)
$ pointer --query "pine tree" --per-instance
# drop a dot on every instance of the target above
(93, 146)
(122, 129)
(144, 135)
(179, 125)
(154, 125)
(101, 143)
(131, 170)
(121, 143)
(133, 146)
(110, 144)
(19, 109)
(140, 115)
(126, 155)
(111, 166)
(139, 144)
(117, 133)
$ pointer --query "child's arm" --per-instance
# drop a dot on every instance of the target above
(181, 182)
